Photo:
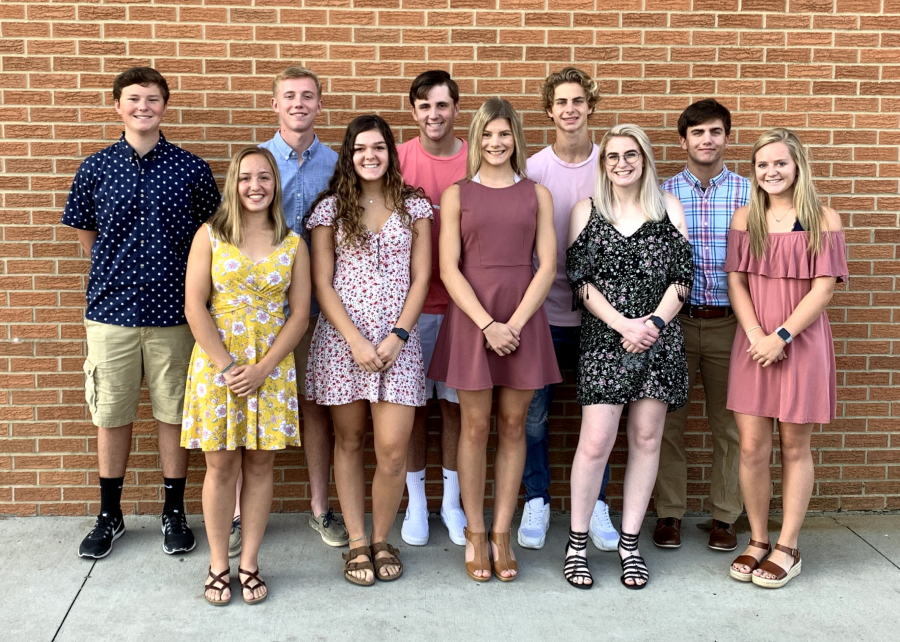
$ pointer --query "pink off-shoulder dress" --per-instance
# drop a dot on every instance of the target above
(801, 388)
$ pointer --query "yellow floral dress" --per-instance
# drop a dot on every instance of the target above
(247, 305)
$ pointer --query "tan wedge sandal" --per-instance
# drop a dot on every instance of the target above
(503, 561)
(480, 561)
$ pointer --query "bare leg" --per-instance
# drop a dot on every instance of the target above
(450, 426)
(475, 424)
(646, 418)
(418, 441)
(349, 476)
(256, 498)
(222, 467)
(392, 426)
(756, 483)
(113, 448)
(798, 477)
(174, 458)
(317, 447)
(237, 496)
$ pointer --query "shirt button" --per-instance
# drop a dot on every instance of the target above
(142, 265)
(142, 289)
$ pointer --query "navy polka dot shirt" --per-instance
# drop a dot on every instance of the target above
(146, 212)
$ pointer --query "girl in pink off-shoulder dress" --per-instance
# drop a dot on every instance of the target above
(785, 253)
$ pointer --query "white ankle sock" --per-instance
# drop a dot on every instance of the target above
(415, 484)
(451, 489)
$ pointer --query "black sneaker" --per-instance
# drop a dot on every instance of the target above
(179, 537)
(98, 543)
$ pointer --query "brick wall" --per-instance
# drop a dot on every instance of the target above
(830, 69)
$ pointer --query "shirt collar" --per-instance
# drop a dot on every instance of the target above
(285, 151)
(129, 152)
(713, 182)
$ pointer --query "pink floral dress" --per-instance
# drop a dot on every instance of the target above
(247, 305)
(372, 281)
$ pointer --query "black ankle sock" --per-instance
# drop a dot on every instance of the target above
(111, 495)
(174, 494)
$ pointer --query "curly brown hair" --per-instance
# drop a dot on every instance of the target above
(567, 75)
(344, 184)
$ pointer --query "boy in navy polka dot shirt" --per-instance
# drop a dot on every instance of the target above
(136, 206)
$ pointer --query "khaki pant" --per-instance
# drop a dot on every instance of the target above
(707, 344)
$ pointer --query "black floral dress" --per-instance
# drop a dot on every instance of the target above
(633, 273)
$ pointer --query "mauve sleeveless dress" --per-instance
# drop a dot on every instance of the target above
(802, 388)
(497, 226)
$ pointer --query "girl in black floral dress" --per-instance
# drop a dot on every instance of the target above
(630, 266)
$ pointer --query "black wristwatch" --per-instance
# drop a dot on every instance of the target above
(657, 321)
(784, 334)
(400, 332)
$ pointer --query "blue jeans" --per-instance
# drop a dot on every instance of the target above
(536, 477)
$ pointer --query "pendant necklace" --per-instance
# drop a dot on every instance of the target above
(778, 220)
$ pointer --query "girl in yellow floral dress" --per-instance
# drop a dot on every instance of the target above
(240, 405)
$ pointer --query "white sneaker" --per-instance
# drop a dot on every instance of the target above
(535, 523)
(455, 521)
(603, 533)
(415, 527)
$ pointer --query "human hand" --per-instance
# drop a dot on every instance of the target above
(365, 355)
(245, 380)
(388, 350)
(638, 334)
(501, 338)
(767, 349)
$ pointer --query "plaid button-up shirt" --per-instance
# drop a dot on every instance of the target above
(708, 215)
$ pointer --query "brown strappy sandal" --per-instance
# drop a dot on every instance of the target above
(503, 561)
(349, 566)
(391, 559)
(480, 562)
(245, 585)
(749, 561)
(224, 581)
(782, 576)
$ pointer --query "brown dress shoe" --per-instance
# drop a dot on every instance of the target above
(722, 536)
(667, 533)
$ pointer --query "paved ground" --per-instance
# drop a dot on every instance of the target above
(849, 590)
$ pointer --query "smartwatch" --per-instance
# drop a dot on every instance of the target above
(657, 321)
(400, 332)
(783, 334)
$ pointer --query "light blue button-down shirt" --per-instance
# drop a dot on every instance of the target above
(301, 183)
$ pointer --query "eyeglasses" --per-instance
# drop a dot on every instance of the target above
(630, 157)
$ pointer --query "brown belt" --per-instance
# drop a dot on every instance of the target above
(705, 311)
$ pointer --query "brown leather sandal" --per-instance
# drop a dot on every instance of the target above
(480, 561)
(391, 559)
(749, 560)
(782, 576)
(223, 579)
(358, 566)
(252, 576)
(503, 561)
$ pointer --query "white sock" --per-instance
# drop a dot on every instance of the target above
(415, 484)
(451, 489)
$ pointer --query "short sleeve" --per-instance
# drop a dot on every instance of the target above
(681, 265)
(419, 208)
(580, 265)
(205, 195)
(323, 214)
(80, 211)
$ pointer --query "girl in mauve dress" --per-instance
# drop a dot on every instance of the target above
(785, 253)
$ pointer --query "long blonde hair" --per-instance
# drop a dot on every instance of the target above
(227, 223)
(491, 109)
(651, 196)
(806, 200)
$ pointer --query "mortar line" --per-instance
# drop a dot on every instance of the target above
(69, 610)
(889, 560)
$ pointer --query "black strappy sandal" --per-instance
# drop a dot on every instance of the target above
(633, 566)
(245, 585)
(218, 583)
(577, 566)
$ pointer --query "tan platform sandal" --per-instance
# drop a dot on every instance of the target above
(782, 576)
(349, 566)
(480, 560)
(223, 580)
(391, 559)
(252, 576)
(503, 561)
(749, 561)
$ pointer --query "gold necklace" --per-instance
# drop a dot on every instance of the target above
(778, 220)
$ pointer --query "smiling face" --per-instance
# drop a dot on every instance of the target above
(370, 155)
(775, 170)
(570, 109)
(706, 143)
(297, 104)
(497, 142)
(623, 173)
(141, 108)
(256, 184)
(435, 113)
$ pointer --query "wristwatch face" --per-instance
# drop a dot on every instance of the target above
(784, 335)
(658, 322)
(400, 332)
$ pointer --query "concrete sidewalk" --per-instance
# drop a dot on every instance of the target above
(849, 590)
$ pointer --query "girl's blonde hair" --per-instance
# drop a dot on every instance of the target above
(227, 223)
(492, 109)
(651, 196)
(806, 202)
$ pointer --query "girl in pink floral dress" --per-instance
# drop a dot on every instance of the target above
(371, 253)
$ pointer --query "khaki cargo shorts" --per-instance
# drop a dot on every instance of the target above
(118, 358)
